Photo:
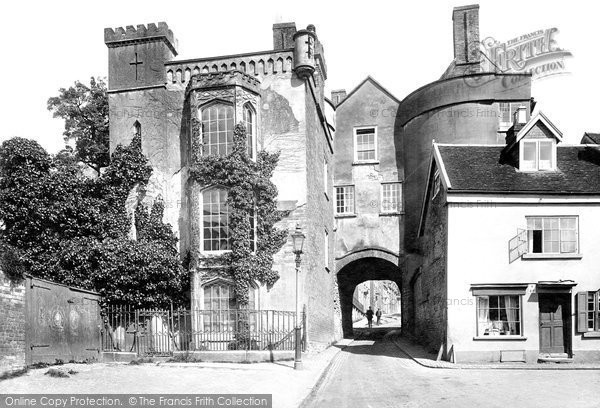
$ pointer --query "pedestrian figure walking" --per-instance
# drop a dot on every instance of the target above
(370, 317)
(378, 314)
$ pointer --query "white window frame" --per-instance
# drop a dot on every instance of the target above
(345, 194)
(374, 160)
(595, 311)
(491, 334)
(536, 166)
(558, 218)
(206, 147)
(200, 209)
(399, 205)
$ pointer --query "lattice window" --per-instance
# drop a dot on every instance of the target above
(365, 146)
(344, 200)
(217, 129)
(391, 197)
(249, 122)
(558, 235)
(215, 220)
(499, 315)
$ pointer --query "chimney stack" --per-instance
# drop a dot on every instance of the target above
(338, 96)
(283, 35)
(466, 34)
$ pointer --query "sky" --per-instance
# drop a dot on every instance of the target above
(403, 45)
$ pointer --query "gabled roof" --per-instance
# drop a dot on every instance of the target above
(479, 169)
(539, 117)
(374, 82)
(590, 138)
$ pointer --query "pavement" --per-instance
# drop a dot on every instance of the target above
(289, 387)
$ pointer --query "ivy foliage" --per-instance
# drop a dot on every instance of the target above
(249, 189)
(63, 226)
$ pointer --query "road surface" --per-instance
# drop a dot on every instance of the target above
(372, 372)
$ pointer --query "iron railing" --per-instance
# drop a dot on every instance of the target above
(161, 332)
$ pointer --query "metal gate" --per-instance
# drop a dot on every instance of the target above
(63, 323)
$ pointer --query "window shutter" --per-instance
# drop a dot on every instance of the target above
(582, 312)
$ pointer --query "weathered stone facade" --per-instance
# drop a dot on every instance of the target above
(371, 227)
(165, 96)
(428, 285)
(12, 325)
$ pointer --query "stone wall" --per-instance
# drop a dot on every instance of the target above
(319, 275)
(12, 325)
(429, 285)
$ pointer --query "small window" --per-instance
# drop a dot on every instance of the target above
(593, 311)
(325, 177)
(365, 144)
(499, 315)
(437, 183)
(391, 197)
(344, 200)
(137, 129)
(326, 250)
(537, 155)
(217, 129)
(588, 311)
(553, 235)
(249, 123)
(506, 113)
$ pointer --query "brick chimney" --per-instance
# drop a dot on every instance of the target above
(466, 34)
(283, 35)
(338, 96)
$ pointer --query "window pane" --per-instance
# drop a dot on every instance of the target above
(215, 220)
(365, 144)
(344, 200)
(545, 155)
(217, 129)
(498, 315)
(529, 156)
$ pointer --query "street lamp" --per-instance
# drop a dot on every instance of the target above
(297, 243)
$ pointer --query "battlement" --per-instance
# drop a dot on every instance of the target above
(141, 33)
(223, 79)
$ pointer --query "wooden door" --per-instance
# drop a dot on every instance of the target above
(553, 323)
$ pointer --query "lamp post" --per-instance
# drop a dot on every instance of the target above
(297, 243)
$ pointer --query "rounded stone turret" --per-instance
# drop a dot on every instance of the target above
(304, 52)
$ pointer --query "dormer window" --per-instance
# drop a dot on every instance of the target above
(537, 155)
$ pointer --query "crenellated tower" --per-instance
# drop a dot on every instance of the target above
(136, 55)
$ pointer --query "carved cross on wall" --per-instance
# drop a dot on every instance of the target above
(136, 63)
(309, 48)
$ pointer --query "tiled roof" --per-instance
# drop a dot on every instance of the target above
(479, 168)
(591, 138)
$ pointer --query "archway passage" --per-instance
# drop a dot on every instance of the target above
(383, 296)
(371, 265)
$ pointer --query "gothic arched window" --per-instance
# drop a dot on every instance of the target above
(250, 123)
(137, 129)
(217, 129)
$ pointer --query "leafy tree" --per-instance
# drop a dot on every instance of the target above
(85, 111)
(63, 226)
